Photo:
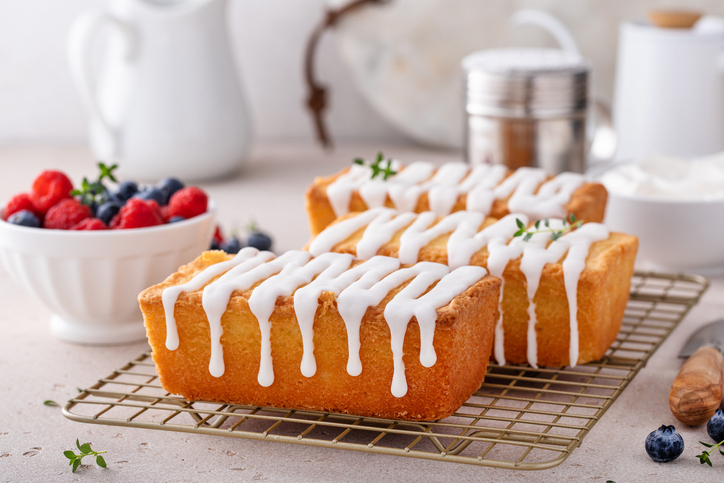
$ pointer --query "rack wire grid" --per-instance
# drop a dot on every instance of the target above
(520, 418)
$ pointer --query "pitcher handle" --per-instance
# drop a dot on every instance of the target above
(80, 43)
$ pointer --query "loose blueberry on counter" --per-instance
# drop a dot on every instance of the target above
(24, 218)
(664, 444)
(107, 211)
(715, 426)
(126, 190)
(152, 193)
(169, 186)
(231, 246)
(176, 219)
(259, 240)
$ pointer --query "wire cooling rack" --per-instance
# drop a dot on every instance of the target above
(520, 418)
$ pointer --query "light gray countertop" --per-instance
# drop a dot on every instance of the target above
(35, 367)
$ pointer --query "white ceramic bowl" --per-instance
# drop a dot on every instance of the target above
(91, 279)
(679, 235)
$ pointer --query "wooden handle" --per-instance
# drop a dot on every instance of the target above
(696, 392)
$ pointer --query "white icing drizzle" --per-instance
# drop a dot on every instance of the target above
(216, 298)
(526, 189)
(465, 240)
(408, 302)
(535, 256)
(399, 312)
(354, 301)
(171, 294)
(579, 243)
(306, 302)
(420, 233)
(549, 200)
(356, 289)
(339, 232)
(443, 187)
(380, 231)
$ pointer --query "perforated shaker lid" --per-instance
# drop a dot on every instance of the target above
(526, 82)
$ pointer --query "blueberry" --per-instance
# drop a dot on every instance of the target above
(664, 444)
(231, 246)
(152, 193)
(112, 196)
(259, 240)
(169, 186)
(176, 219)
(126, 190)
(107, 211)
(715, 426)
(24, 218)
(214, 245)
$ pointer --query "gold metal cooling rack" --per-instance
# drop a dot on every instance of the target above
(520, 418)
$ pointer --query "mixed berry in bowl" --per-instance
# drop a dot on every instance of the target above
(54, 203)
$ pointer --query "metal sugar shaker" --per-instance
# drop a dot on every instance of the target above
(526, 107)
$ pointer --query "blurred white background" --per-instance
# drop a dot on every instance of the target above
(38, 103)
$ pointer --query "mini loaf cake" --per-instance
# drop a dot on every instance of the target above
(489, 189)
(331, 333)
(562, 301)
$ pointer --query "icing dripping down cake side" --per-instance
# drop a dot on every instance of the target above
(205, 353)
(489, 189)
(562, 301)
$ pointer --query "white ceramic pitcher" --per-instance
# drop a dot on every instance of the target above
(167, 101)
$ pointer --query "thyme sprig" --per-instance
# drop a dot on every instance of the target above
(376, 167)
(95, 192)
(569, 223)
(85, 450)
(704, 456)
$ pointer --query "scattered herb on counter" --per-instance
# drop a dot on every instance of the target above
(569, 224)
(704, 456)
(85, 450)
(377, 169)
(51, 403)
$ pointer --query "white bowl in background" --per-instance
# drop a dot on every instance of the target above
(679, 235)
(91, 279)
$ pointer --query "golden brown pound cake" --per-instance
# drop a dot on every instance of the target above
(536, 325)
(490, 189)
(213, 347)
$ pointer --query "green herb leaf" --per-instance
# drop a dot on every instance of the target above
(708, 445)
(377, 168)
(77, 443)
(69, 454)
(520, 224)
(537, 224)
(547, 223)
(100, 461)
(86, 448)
(107, 172)
(51, 403)
(76, 464)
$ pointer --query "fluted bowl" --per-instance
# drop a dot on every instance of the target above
(91, 279)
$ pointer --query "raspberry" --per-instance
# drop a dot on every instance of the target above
(137, 213)
(48, 189)
(90, 224)
(218, 236)
(165, 213)
(188, 202)
(19, 203)
(65, 214)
